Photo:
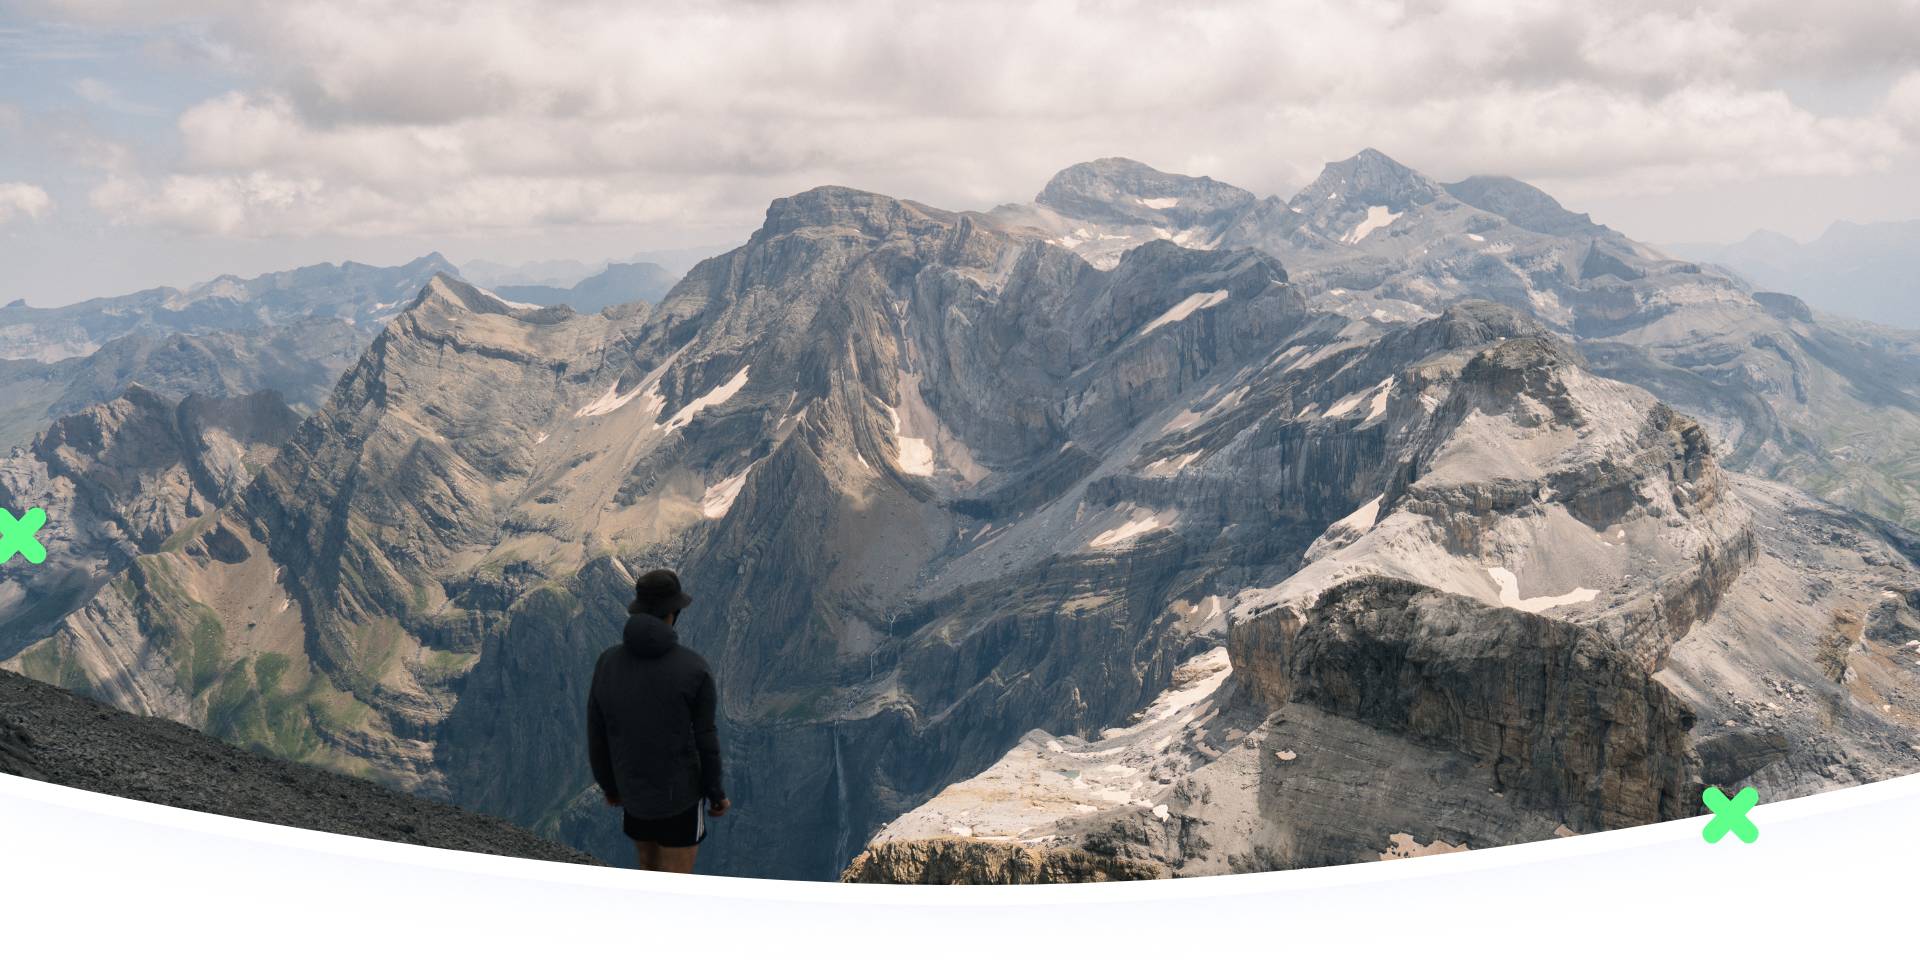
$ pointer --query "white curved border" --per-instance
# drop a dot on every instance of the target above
(86, 872)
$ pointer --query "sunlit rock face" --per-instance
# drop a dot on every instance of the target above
(1825, 404)
(1148, 532)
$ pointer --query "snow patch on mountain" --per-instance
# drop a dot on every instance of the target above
(713, 397)
(1510, 594)
(916, 457)
(1187, 306)
(506, 301)
(1159, 203)
(1378, 407)
(1378, 216)
(609, 401)
(1377, 395)
(1131, 530)
(720, 496)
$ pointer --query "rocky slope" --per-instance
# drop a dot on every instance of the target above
(121, 479)
(1828, 406)
(936, 482)
(49, 735)
(1558, 616)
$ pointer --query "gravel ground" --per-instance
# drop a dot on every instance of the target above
(55, 736)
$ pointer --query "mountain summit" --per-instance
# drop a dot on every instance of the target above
(1103, 189)
(1373, 239)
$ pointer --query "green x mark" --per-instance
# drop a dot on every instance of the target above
(1730, 814)
(18, 536)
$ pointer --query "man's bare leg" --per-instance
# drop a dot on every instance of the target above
(649, 855)
(677, 860)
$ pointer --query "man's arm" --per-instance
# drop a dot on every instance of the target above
(597, 754)
(706, 737)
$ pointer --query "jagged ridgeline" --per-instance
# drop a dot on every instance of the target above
(1070, 540)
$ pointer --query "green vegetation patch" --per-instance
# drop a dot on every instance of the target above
(187, 534)
(188, 630)
(439, 667)
(253, 706)
(375, 646)
(47, 661)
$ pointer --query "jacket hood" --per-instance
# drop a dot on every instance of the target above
(648, 636)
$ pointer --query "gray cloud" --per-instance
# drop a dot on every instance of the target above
(370, 118)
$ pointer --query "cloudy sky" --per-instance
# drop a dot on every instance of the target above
(149, 142)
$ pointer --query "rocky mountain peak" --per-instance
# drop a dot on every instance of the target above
(836, 207)
(1122, 189)
(431, 262)
(95, 429)
(448, 295)
(144, 428)
(1367, 179)
(1468, 323)
(1521, 203)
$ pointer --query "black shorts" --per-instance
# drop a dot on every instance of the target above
(681, 831)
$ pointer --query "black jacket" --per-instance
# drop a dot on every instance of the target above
(650, 730)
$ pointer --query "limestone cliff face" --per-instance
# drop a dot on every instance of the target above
(331, 611)
(1568, 719)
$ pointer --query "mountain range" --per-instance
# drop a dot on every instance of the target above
(349, 291)
(567, 272)
(291, 332)
(299, 361)
(1829, 406)
(1863, 271)
(1150, 528)
(617, 284)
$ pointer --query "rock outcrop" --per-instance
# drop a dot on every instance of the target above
(1567, 719)
(957, 861)
(121, 479)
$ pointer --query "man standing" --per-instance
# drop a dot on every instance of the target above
(650, 731)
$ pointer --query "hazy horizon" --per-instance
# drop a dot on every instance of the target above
(168, 143)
